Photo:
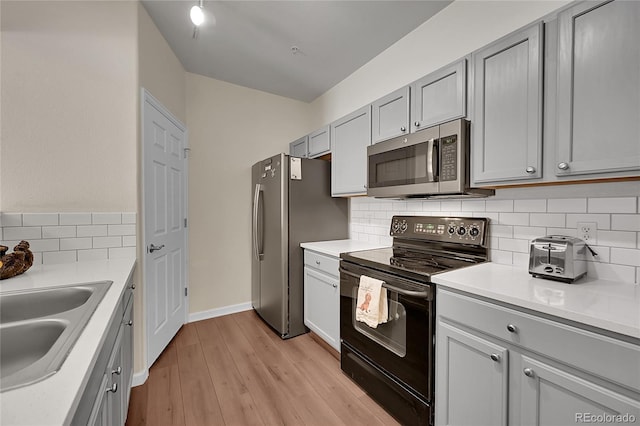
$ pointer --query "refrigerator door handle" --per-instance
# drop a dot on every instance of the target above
(256, 197)
(258, 230)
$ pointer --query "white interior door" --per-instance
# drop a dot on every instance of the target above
(165, 236)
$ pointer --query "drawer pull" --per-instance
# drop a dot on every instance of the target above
(130, 323)
(495, 357)
(334, 285)
(317, 262)
(512, 328)
(528, 372)
(113, 388)
(117, 371)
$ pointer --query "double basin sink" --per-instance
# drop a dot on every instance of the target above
(38, 328)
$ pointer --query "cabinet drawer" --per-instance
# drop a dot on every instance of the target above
(602, 356)
(327, 264)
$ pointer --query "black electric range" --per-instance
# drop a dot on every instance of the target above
(394, 362)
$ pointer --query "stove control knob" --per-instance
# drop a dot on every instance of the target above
(462, 230)
(403, 226)
(395, 227)
(451, 230)
(474, 231)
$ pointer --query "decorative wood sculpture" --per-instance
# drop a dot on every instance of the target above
(17, 262)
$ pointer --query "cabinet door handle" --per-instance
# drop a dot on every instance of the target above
(130, 323)
(531, 170)
(133, 286)
(317, 262)
(417, 124)
(495, 357)
(528, 372)
(563, 166)
(403, 129)
(117, 371)
(334, 285)
(113, 388)
(512, 328)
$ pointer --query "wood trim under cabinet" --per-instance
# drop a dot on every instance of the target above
(325, 345)
(569, 182)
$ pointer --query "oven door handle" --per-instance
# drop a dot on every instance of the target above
(410, 293)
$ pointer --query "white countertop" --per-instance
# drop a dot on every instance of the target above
(53, 400)
(607, 305)
(335, 247)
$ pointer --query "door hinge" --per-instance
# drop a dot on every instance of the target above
(186, 151)
(186, 291)
(185, 222)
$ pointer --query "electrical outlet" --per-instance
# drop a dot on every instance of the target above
(587, 231)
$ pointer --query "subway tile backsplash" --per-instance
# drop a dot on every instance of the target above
(71, 237)
(515, 222)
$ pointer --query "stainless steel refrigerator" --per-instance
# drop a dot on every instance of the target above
(291, 204)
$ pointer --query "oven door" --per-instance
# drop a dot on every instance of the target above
(405, 165)
(402, 347)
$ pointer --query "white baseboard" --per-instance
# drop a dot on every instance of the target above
(218, 312)
(139, 378)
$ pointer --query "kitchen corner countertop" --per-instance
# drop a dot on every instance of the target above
(607, 305)
(53, 401)
(335, 247)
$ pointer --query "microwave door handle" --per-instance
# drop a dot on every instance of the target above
(432, 158)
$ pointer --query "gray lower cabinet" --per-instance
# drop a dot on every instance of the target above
(319, 142)
(106, 398)
(506, 137)
(322, 296)
(497, 366)
(300, 147)
(390, 115)
(440, 96)
(472, 379)
(598, 97)
(350, 137)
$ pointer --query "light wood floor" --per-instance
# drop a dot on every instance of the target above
(234, 370)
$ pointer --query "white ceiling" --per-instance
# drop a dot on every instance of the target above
(250, 43)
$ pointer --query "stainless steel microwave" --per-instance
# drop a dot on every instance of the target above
(431, 163)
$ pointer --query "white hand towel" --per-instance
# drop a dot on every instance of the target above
(371, 304)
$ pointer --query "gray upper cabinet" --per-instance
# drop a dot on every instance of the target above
(507, 108)
(390, 115)
(350, 137)
(598, 88)
(439, 96)
(300, 147)
(319, 142)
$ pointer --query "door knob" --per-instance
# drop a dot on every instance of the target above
(153, 247)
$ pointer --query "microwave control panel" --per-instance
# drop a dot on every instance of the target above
(449, 158)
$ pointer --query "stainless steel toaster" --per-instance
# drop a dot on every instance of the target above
(558, 257)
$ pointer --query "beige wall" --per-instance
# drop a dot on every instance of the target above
(69, 93)
(159, 70)
(454, 32)
(230, 128)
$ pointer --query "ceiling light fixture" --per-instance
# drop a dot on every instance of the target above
(197, 14)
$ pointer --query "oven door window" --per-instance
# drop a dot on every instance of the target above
(391, 334)
(404, 166)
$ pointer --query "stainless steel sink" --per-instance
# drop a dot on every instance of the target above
(37, 304)
(38, 328)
